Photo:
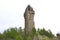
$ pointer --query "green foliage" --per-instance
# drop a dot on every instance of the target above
(18, 34)
(13, 34)
(19, 37)
(46, 38)
(46, 33)
(33, 31)
(29, 38)
(1, 37)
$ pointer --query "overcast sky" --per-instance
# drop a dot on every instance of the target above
(47, 14)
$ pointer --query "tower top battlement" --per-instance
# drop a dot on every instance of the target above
(29, 8)
(28, 11)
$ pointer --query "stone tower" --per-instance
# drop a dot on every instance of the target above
(29, 19)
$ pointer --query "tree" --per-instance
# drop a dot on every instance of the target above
(33, 31)
(46, 33)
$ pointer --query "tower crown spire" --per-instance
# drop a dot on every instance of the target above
(29, 8)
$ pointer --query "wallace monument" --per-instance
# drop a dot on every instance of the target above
(29, 19)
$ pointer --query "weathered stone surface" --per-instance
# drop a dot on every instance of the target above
(29, 19)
